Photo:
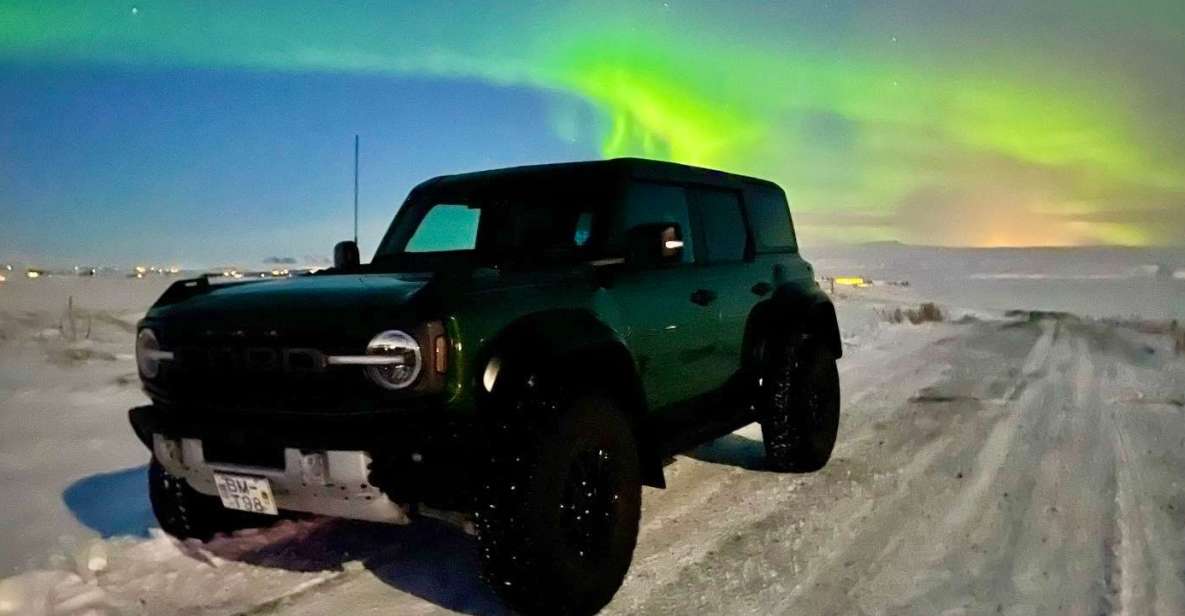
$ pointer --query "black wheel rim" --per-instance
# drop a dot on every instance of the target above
(588, 509)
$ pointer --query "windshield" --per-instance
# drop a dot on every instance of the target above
(498, 230)
(446, 227)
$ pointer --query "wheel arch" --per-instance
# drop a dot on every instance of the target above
(793, 309)
(575, 348)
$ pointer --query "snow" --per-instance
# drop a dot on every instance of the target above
(63, 429)
(1097, 282)
(993, 462)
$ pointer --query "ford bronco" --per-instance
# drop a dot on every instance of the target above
(526, 348)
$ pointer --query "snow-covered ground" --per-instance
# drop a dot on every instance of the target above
(69, 467)
(1097, 282)
(1019, 465)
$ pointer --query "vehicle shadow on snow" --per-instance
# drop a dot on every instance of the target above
(112, 504)
(732, 450)
(428, 559)
(438, 563)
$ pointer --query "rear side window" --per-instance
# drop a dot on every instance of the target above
(723, 228)
(648, 202)
(769, 215)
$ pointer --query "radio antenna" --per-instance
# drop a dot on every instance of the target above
(355, 189)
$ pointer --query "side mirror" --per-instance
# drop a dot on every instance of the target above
(654, 244)
(345, 256)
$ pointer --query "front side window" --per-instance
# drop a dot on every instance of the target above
(649, 202)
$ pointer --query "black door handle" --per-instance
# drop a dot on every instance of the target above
(703, 297)
(762, 288)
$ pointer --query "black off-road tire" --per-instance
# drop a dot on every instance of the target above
(186, 513)
(799, 405)
(557, 517)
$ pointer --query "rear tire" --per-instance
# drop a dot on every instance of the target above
(557, 519)
(800, 406)
(186, 513)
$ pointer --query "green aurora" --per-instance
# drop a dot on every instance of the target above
(1055, 123)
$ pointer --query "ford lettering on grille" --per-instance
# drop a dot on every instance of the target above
(222, 359)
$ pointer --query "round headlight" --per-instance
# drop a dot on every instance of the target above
(147, 353)
(404, 359)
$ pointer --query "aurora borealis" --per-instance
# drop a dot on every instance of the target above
(960, 123)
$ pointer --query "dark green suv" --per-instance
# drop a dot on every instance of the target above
(526, 348)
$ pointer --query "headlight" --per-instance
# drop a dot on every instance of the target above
(403, 355)
(148, 354)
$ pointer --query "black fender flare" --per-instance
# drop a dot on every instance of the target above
(793, 309)
(576, 349)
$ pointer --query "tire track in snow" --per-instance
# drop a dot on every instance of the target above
(760, 499)
(713, 501)
(976, 503)
(1150, 578)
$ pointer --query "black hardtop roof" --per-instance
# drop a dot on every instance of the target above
(587, 173)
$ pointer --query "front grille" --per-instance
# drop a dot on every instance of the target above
(264, 372)
(225, 360)
(340, 388)
(258, 372)
(243, 449)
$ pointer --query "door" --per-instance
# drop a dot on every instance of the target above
(655, 309)
(725, 274)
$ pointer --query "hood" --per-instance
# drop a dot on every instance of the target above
(303, 306)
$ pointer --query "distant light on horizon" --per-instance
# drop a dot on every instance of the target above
(851, 281)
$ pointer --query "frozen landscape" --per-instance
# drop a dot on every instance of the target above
(1024, 455)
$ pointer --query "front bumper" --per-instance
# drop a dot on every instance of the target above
(361, 467)
(333, 483)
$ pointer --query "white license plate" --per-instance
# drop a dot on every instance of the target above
(246, 493)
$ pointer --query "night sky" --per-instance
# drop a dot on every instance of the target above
(204, 133)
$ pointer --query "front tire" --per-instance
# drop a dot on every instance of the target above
(799, 403)
(186, 513)
(557, 520)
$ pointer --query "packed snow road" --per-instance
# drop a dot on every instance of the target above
(1026, 466)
